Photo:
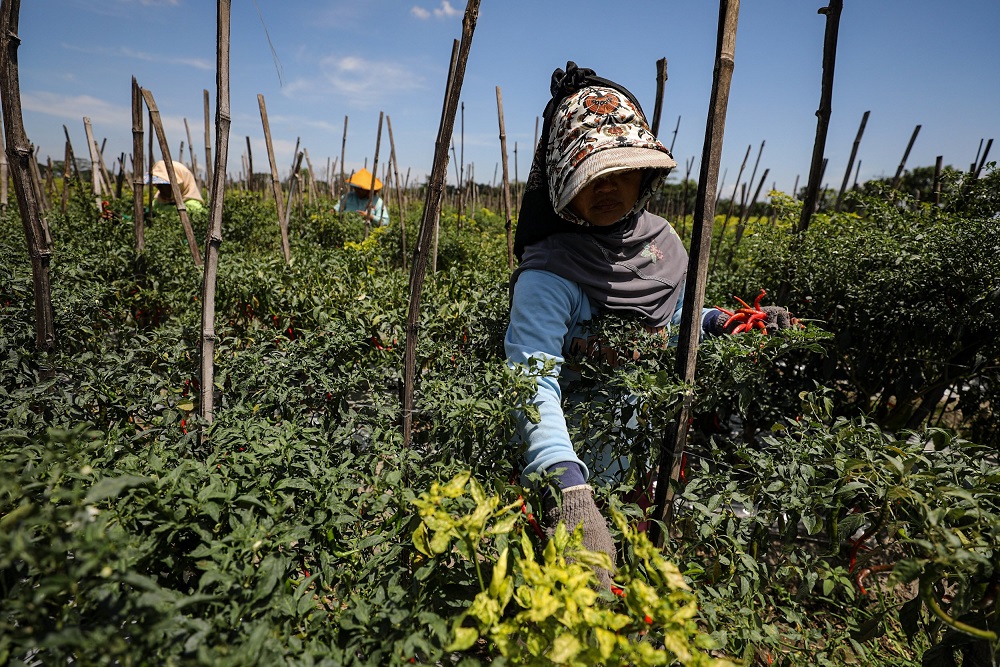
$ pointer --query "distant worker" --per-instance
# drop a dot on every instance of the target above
(357, 198)
(193, 200)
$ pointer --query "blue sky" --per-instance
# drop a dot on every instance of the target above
(907, 61)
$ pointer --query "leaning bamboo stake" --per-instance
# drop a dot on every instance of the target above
(138, 161)
(661, 79)
(105, 178)
(444, 185)
(312, 177)
(850, 161)
(509, 224)
(65, 183)
(175, 189)
(275, 180)
(729, 212)
(832, 14)
(36, 179)
(19, 152)
(753, 175)
(212, 244)
(81, 186)
(432, 206)
(744, 219)
(370, 209)
(293, 181)
(208, 140)
(668, 475)
(399, 192)
(937, 179)
(341, 186)
(688, 166)
(674, 138)
(902, 163)
(95, 173)
(982, 160)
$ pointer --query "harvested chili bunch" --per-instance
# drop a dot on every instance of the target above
(767, 320)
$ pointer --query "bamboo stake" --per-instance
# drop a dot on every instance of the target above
(174, 185)
(746, 217)
(312, 176)
(36, 179)
(120, 178)
(432, 206)
(902, 163)
(275, 180)
(661, 79)
(832, 14)
(50, 182)
(937, 179)
(293, 181)
(150, 162)
(251, 185)
(688, 166)
(208, 140)
(206, 406)
(753, 175)
(78, 177)
(399, 192)
(444, 184)
(370, 209)
(19, 152)
(509, 224)
(668, 475)
(95, 174)
(729, 212)
(105, 179)
(342, 185)
(982, 160)
(67, 156)
(674, 139)
(4, 177)
(194, 157)
(850, 161)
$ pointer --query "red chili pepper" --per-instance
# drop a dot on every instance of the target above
(531, 519)
(648, 619)
(742, 302)
(756, 303)
(620, 592)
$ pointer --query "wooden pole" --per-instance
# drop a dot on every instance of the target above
(209, 176)
(174, 185)
(399, 192)
(668, 475)
(206, 406)
(275, 180)
(509, 224)
(105, 179)
(19, 153)
(745, 218)
(194, 157)
(850, 161)
(688, 166)
(753, 175)
(902, 163)
(674, 139)
(937, 179)
(312, 176)
(251, 186)
(444, 184)
(293, 181)
(342, 185)
(661, 79)
(432, 206)
(95, 173)
(370, 209)
(729, 212)
(982, 160)
(832, 14)
(67, 175)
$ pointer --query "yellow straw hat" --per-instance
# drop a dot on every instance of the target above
(363, 179)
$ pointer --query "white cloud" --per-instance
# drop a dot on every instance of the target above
(362, 82)
(125, 52)
(420, 13)
(446, 10)
(75, 107)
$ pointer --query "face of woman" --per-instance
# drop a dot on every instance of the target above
(607, 199)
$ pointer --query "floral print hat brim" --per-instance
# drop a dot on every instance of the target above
(597, 131)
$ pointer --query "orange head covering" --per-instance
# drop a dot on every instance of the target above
(363, 179)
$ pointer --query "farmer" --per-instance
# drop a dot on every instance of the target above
(358, 198)
(185, 182)
(585, 244)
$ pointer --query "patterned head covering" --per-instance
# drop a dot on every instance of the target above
(597, 131)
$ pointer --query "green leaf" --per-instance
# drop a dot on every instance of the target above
(464, 638)
(111, 487)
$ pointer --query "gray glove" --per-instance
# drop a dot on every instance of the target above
(777, 318)
(578, 507)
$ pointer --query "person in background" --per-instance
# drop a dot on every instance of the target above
(586, 244)
(357, 199)
(193, 200)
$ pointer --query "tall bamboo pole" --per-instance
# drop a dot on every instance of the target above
(832, 14)
(174, 184)
(214, 241)
(275, 180)
(95, 172)
(753, 175)
(670, 459)
(661, 79)
(729, 212)
(194, 157)
(312, 176)
(902, 163)
(432, 206)
(293, 181)
(341, 186)
(509, 224)
(19, 153)
(982, 160)
(105, 179)
(399, 192)
(850, 161)
(250, 180)
(208, 140)
(674, 138)
(370, 209)
(937, 179)
(444, 184)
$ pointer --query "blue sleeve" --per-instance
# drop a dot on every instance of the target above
(544, 309)
(706, 313)
(383, 213)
